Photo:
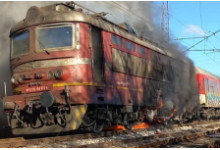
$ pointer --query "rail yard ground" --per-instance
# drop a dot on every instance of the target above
(196, 134)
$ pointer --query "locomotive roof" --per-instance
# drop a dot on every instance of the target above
(202, 71)
(61, 13)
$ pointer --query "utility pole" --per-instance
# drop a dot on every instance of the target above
(165, 18)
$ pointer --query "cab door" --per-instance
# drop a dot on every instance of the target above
(98, 64)
(97, 55)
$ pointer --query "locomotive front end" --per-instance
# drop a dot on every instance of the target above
(49, 56)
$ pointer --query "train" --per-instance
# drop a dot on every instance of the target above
(74, 70)
(209, 93)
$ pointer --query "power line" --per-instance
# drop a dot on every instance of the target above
(125, 9)
(212, 59)
(189, 38)
(202, 40)
(214, 50)
(200, 11)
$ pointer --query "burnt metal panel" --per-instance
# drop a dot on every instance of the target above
(127, 63)
(51, 63)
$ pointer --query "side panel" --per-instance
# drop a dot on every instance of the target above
(136, 79)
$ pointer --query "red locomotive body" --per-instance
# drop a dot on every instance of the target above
(72, 69)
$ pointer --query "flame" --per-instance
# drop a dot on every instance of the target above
(161, 119)
(161, 104)
(140, 126)
(19, 101)
(116, 127)
(171, 115)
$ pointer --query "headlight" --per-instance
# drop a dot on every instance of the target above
(50, 75)
(38, 75)
(20, 79)
(13, 80)
(58, 74)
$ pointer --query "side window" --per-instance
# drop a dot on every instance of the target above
(129, 46)
(216, 87)
(211, 86)
(141, 50)
(207, 85)
(116, 40)
(20, 43)
(203, 84)
(219, 86)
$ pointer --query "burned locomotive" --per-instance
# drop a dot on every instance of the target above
(76, 70)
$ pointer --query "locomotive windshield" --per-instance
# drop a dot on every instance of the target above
(20, 43)
(55, 37)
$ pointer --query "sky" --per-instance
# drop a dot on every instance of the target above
(197, 19)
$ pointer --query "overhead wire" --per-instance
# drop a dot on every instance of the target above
(125, 9)
(200, 11)
(201, 22)
(205, 50)
(212, 59)
(214, 33)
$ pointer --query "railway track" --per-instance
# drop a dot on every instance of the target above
(207, 140)
(29, 142)
(189, 138)
(191, 135)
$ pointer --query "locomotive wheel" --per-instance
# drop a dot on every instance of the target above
(126, 122)
(1, 105)
(38, 123)
(128, 126)
(98, 126)
(87, 122)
